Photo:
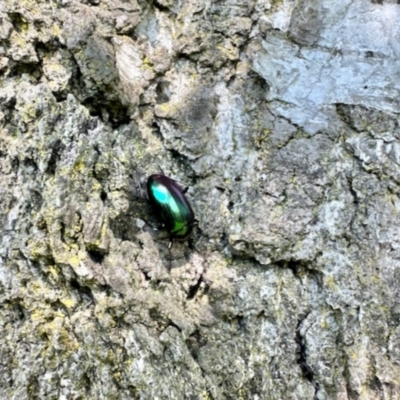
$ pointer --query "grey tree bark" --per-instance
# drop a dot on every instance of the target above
(282, 117)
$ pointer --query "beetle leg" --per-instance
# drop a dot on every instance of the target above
(170, 257)
(148, 224)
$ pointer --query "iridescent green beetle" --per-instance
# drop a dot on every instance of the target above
(171, 206)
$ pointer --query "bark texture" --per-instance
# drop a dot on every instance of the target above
(282, 117)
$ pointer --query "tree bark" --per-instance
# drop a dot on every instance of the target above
(282, 118)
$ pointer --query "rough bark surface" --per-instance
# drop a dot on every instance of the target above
(282, 117)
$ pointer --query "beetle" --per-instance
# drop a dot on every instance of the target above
(170, 204)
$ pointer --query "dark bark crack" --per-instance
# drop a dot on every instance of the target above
(306, 369)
